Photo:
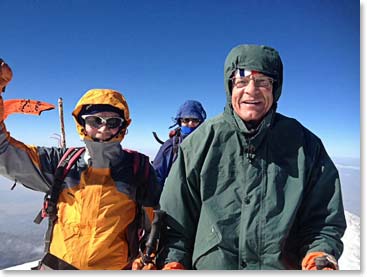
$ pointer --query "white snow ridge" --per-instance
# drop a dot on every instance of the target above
(350, 259)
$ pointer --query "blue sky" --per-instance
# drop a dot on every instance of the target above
(161, 53)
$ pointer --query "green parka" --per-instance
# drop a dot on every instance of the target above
(235, 200)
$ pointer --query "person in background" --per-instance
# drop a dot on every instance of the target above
(96, 217)
(189, 116)
(251, 188)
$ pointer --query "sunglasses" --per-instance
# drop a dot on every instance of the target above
(97, 121)
(259, 82)
(187, 120)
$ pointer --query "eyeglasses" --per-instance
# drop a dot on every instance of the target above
(187, 120)
(97, 121)
(260, 82)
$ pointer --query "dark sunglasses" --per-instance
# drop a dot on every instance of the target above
(187, 120)
(97, 121)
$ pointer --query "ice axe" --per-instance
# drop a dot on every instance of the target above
(25, 106)
(157, 138)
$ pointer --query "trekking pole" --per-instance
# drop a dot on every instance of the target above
(152, 243)
(61, 116)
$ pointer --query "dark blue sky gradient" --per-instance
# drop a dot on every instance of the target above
(161, 53)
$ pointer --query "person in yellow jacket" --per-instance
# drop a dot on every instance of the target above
(95, 225)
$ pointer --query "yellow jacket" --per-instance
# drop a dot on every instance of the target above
(97, 204)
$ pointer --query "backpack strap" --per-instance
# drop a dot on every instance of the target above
(140, 165)
(176, 144)
(50, 201)
(140, 225)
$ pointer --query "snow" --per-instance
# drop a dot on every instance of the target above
(26, 266)
(350, 259)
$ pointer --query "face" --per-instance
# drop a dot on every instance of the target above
(190, 122)
(102, 132)
(252, 101)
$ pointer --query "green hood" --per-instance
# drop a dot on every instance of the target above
(260, 58)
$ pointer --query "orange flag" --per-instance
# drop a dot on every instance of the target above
(25, 106)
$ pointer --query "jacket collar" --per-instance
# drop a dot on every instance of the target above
(103, 154)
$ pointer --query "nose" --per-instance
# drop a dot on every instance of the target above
(103, 127)
(191, 123)
(251, 88)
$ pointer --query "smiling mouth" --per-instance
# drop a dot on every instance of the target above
(251, 102)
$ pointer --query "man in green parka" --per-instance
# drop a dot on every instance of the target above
(251, 188)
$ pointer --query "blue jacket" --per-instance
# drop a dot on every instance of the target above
(165, 157)
(168, 152)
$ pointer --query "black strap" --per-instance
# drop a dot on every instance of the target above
(51, 262)
(50, 202)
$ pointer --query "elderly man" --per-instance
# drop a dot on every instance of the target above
(251, 188)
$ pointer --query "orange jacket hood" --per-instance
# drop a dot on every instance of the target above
(102, 96)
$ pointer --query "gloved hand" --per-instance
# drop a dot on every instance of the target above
(173, 266)
(138, 264)
(5, 75)
(319, 261)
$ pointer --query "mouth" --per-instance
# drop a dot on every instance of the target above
(251, 102)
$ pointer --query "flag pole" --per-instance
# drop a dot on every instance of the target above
(61, 116)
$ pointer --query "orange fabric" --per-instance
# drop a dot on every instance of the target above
(31, 150)
(102, 96)
(92, 232)
(173, 266)
(308, 262)
(25, 106)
